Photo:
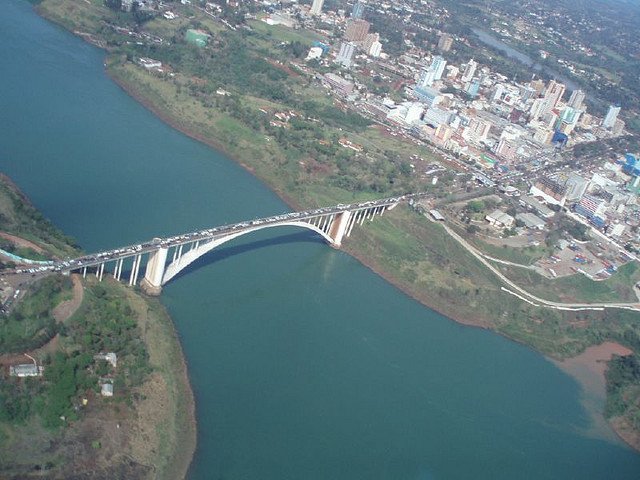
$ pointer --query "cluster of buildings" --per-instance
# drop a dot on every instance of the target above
(605, 197)
(357, 36)
(474, 112)
(465, 109)
(500, 127)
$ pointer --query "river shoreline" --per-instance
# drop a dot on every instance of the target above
(589, 370)
(616, 426)
(174, 123)
(139, 97)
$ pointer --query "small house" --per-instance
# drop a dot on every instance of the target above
(25, 370)
(106, 389)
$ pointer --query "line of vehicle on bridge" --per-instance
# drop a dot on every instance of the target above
(208, 234)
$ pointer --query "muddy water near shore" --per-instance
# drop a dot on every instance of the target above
(589, 369)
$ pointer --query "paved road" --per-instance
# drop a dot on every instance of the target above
(529, 297)
(96, 259)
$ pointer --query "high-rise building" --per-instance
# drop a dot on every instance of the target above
(576, 99)
(568, 115)
(527, 92)
(358, 10)
(537, 108)
(427, 77)
(498, 93)
(345, 55)
(316, 7)
(612, 116)
(437, 65)
(357, 30)
(543, 135)
(507, 149)
(477, 130)
(553, 94)
(453, 71)
(469, 70)
(445, 42)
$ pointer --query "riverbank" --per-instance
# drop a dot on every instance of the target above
(166, 418)
(424, 264)
(351, 248)
(139, 96)
(146, 431)
(360, 248)
(476, 313)
(589, 369)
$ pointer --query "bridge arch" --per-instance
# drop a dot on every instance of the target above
(175, 267)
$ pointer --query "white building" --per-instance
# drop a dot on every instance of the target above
(25, 370)
(345, 55)
(314, 53)
(316, 7)
(469, 71)
(500, 219)
(110, 357)
(612, 116)
(106, 389)
(577, 99)
(438, 65)
(427, 77)
(376, 49)
(531, 220)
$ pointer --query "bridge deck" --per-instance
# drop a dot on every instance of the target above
(214, 233)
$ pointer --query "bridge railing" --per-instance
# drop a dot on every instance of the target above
(215, 232)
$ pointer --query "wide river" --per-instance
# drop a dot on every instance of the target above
(304, 364)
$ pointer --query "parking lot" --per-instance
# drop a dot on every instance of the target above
(594, 260)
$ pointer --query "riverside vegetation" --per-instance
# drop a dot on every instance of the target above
(303, 162)
(58, 425)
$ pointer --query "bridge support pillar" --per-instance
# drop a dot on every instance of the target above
(152, 282)
(339, 228)
(133, 277)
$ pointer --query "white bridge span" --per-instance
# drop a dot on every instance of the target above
(167, 257)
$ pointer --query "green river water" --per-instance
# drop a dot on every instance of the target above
(304, 364)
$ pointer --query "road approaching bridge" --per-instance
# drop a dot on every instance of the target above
(331, 223)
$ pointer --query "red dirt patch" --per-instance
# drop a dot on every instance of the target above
(21, 242)
(63, 311)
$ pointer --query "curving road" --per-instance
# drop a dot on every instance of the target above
(529, 297)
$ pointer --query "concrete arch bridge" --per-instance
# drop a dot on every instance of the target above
(164, 258)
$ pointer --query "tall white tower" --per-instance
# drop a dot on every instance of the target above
(612, 116)
(469, 71)
(437, 64)
(316, 7)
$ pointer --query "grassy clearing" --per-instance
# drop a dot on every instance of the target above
(376, 140)
(578, 288)
(523, 256)
(279, 33)
(83, 16)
